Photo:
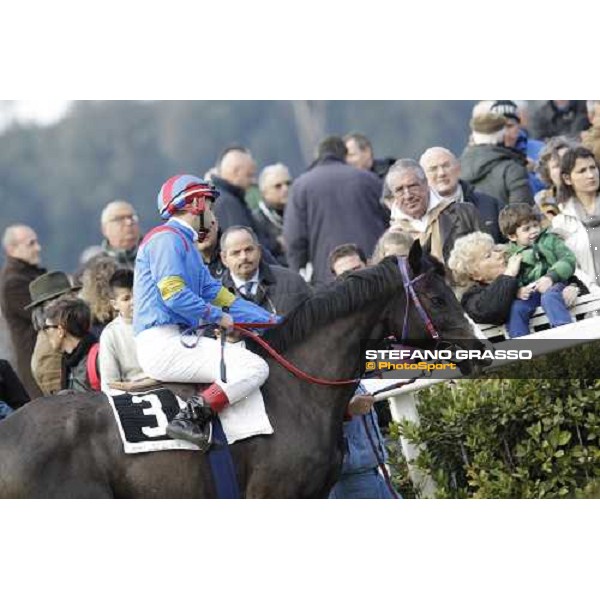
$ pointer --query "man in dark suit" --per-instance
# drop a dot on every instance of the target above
(275, 288)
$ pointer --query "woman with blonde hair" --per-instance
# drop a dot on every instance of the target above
(489, 283)
(392, 243)
(96, 291)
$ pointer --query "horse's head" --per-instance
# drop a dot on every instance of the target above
(432, 311)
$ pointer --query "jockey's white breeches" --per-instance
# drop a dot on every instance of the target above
(162, 356)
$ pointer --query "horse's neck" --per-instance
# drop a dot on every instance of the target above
(333, 352)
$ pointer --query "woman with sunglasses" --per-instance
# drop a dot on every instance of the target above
(67, 325)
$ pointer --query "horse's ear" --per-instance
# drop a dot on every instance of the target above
(414, 257)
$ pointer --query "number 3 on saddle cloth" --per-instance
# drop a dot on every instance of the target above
(142, 420)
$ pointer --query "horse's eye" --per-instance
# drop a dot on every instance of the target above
(438, 302)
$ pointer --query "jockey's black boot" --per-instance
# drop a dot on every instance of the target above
(193, 424)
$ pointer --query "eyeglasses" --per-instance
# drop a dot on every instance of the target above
(279, 185)
(123, 218)
(411, 189)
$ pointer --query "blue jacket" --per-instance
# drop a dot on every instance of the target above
(360, 456)
(173, 286)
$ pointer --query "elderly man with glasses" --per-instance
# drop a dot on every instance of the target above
(435, 221)
(121, 231)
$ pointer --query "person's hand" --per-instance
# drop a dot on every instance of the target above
(226, 323)
(513, 265)
(570, 294)
(543, 284)
(361, 404)
(524, 292)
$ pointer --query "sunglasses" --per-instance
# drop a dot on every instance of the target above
(46, 327)
(279, 185)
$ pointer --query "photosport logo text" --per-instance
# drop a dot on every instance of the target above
(408, 362)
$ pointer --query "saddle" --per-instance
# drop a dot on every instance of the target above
(183, 390)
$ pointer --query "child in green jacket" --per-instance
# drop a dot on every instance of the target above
(546, 265)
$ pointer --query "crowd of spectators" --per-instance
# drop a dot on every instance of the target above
(347, 206)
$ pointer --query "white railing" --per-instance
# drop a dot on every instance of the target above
(404, 401)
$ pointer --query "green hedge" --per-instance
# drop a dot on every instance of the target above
(503, 438)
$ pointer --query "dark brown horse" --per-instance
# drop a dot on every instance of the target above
(69, 446)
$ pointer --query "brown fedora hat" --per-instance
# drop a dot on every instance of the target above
(49, 286)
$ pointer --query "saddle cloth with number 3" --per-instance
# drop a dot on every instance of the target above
(142, 420)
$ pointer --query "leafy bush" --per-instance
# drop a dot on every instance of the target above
(506, 438)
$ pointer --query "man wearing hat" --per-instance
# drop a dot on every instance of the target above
(46, 362)
(517, 138)
(491, 167)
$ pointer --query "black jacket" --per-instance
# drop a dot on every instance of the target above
(498, 172)
(547, 121)
(11, 389)
(491, 303)
(456, 220)
(266, 220)
(74, 375)
(14, 296)
(279, 289)
(381, 166)
(489, 208)
(331, 204)
(230, 207)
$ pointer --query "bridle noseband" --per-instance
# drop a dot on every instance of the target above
(411, 294)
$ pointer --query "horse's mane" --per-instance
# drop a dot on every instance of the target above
(337, 300)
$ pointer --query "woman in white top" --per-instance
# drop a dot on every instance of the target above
(578, 222)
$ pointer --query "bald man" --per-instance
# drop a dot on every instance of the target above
(236, 173)
(442, 170)
(22, 266)
(120, 227)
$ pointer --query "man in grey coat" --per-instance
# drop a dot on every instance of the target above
(331, 204)
(492, 168)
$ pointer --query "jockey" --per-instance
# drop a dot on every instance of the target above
(175, 293)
